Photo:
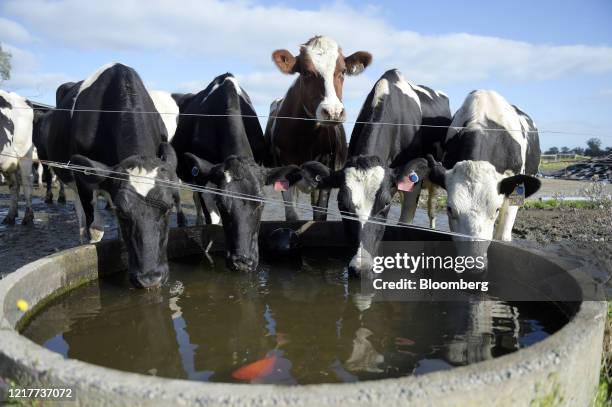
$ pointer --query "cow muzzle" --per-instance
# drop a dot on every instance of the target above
(241, 263)
(330, 114)
(150, 279)
(361, 263)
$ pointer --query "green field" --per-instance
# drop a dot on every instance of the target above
(548, 166)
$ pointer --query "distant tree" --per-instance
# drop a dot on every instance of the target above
(578, 150)
(5, 64)
(552, 150)
(608, 150)
(593, 147)
(565, 150)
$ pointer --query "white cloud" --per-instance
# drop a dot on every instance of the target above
(12, 31)
(27, 79)
(248, 33)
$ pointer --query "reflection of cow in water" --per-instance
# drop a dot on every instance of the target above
(290, 326)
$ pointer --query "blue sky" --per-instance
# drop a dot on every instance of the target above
(551, 58)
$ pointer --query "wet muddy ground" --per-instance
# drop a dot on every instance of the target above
(583, 233)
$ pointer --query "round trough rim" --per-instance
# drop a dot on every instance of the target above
(50, 367)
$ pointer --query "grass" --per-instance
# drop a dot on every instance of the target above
(550, 166)
(562, 204)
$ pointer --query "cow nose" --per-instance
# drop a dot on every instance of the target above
(360, 264)
(332, 112)
(241, 263)
(150, 279)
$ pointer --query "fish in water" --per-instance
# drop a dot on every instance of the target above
(256, 370)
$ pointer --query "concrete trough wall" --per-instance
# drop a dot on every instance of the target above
(561, 370)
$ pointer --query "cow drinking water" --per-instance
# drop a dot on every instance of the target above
(387, 137)
(218, 143)
(491, 148)
(108, 129)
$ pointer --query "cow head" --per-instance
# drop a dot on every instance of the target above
(322, 68)
(366, 186)
(143, 199)
(239, 181)
(476, 193)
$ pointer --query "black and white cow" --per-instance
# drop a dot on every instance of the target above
(378, 152)
(40, 137)
(227, 151)
(16, 121)
(168, 109)
(481, 167)
(103, 129)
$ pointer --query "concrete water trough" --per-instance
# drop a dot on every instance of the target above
(563, 369)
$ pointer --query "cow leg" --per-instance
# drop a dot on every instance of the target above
(96, 227)
(409, 204)
(40, 171)
(197, 200)
(431, 204)
(505, 223)
(86, 205)
(109, 202)
(80, 212)
(48, 179)
(321, 212)
(61, 199)
(13, 183)
(25, 171)
(210, 209)
(290, 198)
(180, 216)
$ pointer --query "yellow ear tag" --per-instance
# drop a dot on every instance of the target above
(22, 305)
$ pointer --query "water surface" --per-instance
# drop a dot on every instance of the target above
(292, 323)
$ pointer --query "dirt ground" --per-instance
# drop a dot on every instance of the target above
(582, 233)
(585, 234)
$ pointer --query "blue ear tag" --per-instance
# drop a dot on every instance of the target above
(195, 171)
(517, 197)
(413, 177)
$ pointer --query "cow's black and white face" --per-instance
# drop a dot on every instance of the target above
(476, 193)
(238, 178)
(143, 202)
(366, 188)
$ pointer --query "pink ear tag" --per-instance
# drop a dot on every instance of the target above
(405, 184)
(281, 185)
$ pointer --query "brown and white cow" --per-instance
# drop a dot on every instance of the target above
(315, 95)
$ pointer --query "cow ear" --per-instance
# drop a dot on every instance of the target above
(357, 62)
(284, 60)
(410, 174)
(200, 170)
(437, 172)
(317, 175)
(281, 177)
(507, 185)
(167, 155)
(95, 173)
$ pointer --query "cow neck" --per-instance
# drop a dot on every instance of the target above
(294, 106)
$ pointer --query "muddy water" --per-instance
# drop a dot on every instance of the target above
(55, 226)
(294, 323)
